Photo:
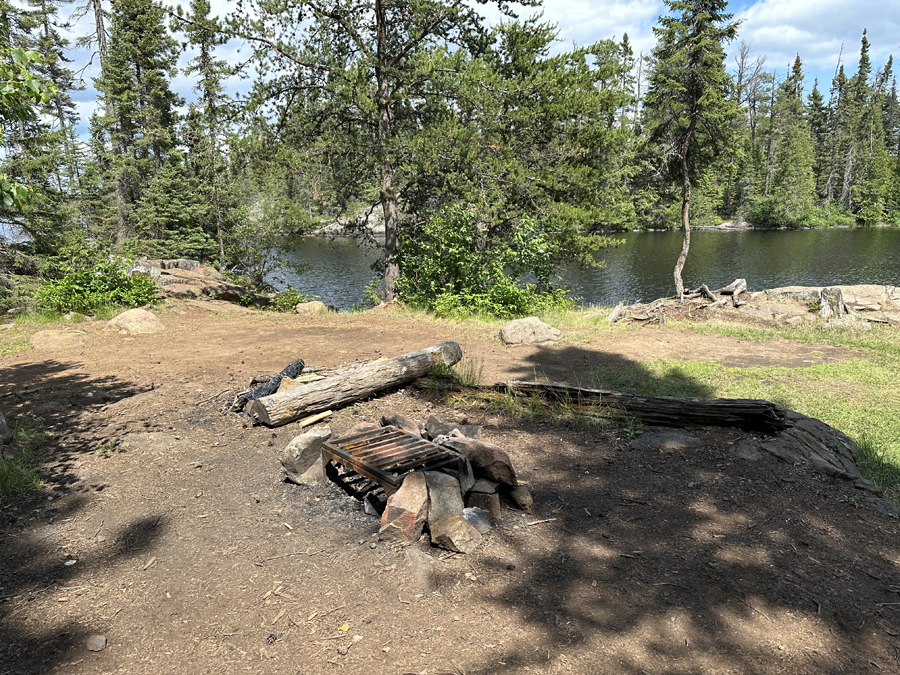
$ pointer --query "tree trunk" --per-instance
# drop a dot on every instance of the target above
(685, 210)
(387, 195)
(331, 392)
(749, 414)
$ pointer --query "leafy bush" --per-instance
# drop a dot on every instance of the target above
(287, 300)
(91, 287)
(454, 266)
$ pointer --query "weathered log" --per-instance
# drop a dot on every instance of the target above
(335, 391)
(736, 287)
(749, 414)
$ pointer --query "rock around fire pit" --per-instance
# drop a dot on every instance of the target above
(442, 478)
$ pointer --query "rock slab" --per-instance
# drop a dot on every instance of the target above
(528, 331)
(135, 322)
(455, 533)
(443, 495)
(302, 454)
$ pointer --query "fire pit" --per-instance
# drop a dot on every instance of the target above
(383, 458)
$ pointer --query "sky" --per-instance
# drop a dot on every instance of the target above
(818, 30)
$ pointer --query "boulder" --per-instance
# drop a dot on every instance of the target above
(455, 533)
(312, 307)
(401, 422)
(135, 322)
(811, 441)
(528, 331)
(52, 340)
(406, 511)
(303, 453)
(443, 496)
(488, 461)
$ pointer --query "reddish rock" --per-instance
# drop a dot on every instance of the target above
(401, 422)
(360, 428)
(406, 510)
(455, 533)
(488, 461)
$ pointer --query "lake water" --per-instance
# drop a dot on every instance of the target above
(641, 268)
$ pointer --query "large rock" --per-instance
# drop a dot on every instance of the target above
(528, 331)
(443, 495)
(488, 461)
(811, 441)
(455, 533)
(406, 511)
(302, 453)
(52, 340)
(135, 322)
(311, 307)
(401, 422)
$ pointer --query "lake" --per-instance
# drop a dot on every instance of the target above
(641, 268)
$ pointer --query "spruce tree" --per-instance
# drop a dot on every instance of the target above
(137, 140)
(687, 94)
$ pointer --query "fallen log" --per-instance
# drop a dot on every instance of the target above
(335, 391)
(749, 414)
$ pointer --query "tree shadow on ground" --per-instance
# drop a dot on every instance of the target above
(690, 560)
(58, 404)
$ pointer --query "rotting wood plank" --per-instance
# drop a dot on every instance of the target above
(748, 414)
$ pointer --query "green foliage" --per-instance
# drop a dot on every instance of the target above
(453, 266)
(98, 284)
(287, 300)
(20, 473)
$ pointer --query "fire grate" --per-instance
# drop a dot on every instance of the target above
(384, 457)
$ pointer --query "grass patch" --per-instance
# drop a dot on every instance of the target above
(21, 473)
(859, 396)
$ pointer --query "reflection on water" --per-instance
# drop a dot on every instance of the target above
(641, 269)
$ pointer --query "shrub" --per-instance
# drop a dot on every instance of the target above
(455, 266)
(89, 288)
(287, 300)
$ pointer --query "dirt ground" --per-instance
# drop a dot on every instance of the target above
(185, 548)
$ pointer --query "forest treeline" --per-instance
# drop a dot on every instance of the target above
(483, 143)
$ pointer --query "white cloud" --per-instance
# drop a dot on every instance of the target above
(817, 29)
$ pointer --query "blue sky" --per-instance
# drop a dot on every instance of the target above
(817, 30)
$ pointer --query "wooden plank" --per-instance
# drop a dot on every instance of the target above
(749, 414)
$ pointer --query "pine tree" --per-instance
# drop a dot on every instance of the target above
(687, 94)
(792, 198)
(137, 140)
(205, 34)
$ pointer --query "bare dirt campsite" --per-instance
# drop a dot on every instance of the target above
(165, 540)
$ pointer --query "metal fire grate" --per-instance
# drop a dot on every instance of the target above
(385, 457)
